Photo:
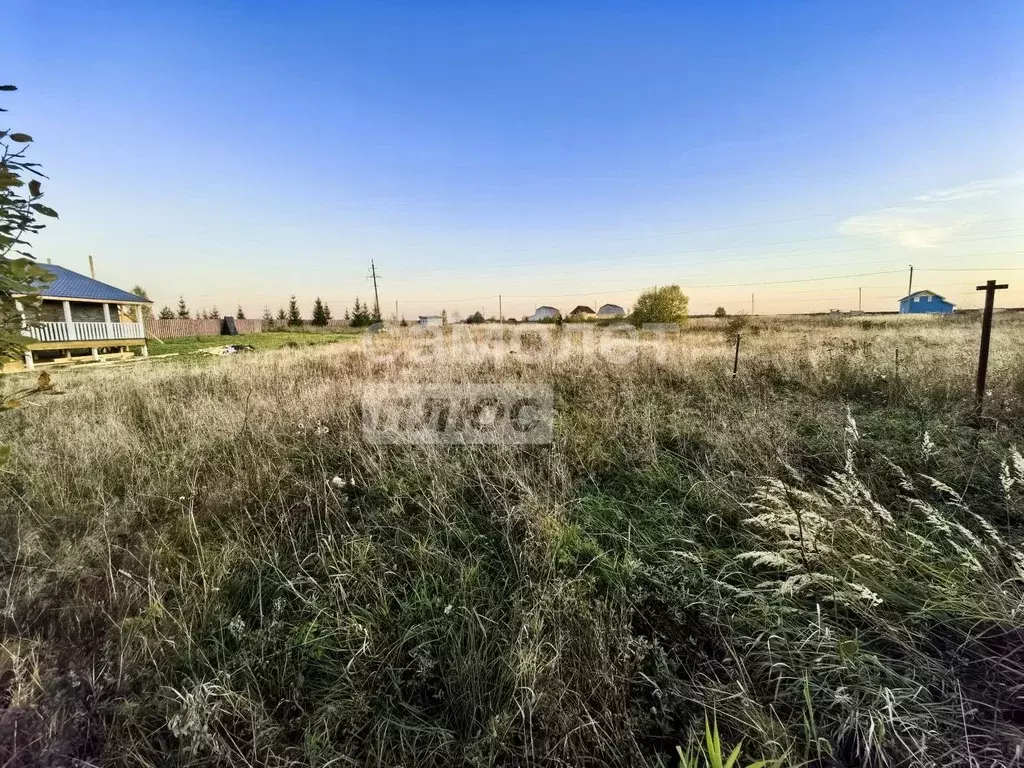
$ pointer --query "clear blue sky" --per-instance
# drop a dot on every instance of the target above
(244, 151)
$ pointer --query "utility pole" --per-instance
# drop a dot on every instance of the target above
(501, 315)
(396, 310)
(860, 299)
(910, 285)
(376, 298)
(990, 289)
(751, 303)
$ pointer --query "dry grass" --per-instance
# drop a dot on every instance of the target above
(821, 555)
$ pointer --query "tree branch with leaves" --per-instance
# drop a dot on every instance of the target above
(21, 193)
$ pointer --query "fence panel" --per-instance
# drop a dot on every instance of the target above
(174, 329)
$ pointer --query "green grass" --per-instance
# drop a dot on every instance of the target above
(260, 341)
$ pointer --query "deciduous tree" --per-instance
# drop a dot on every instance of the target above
(667, 304)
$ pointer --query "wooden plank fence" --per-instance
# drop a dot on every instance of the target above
(175, 329)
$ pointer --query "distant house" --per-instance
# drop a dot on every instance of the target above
(543, 313)
(611, 310)
(925, 302)
(78, 313)
(582, 312)
(431, 321)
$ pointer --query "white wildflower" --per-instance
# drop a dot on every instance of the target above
(237, 626)
(337, 482)
(927, 445)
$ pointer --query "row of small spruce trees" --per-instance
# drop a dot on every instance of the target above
(361, 315)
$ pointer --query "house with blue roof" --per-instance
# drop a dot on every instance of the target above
(925, 302)
(80, 315)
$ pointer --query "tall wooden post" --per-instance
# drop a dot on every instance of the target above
(736, 359)
(990, 289)
(68, 324)
(140, 319)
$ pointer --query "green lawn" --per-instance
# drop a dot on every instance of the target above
(261, 341)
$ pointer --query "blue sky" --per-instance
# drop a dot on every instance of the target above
(556, 153)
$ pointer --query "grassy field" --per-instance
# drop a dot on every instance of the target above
(260, 341)
(821, 556)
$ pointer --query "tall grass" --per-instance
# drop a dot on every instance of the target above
(820, 557)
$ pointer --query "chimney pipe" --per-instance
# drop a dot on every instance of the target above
(92, 268)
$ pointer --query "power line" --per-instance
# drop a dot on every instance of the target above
(765, 222)
(972, 269)
(717, 249)
(690, 286)
(782, 255)
(893, 230)
(712, 286)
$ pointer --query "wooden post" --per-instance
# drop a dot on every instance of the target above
(736, 359)
(139, 318)
(106, 319)
(72, 336)
(990, 289)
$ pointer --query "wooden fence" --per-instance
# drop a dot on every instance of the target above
(174, 329)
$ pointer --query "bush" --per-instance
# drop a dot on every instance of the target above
(667, 304)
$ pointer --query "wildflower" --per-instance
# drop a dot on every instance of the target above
(237, 626)
(448, 609)
(337, 482)
(927, 445)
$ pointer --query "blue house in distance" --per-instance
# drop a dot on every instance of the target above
(925, 302)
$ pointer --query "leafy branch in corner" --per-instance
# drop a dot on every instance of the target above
(21, 206)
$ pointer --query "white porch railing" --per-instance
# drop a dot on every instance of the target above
(84, 331)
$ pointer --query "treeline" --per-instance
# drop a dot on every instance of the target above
(360, 315)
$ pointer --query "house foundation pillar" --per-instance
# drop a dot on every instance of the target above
(29, 362)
